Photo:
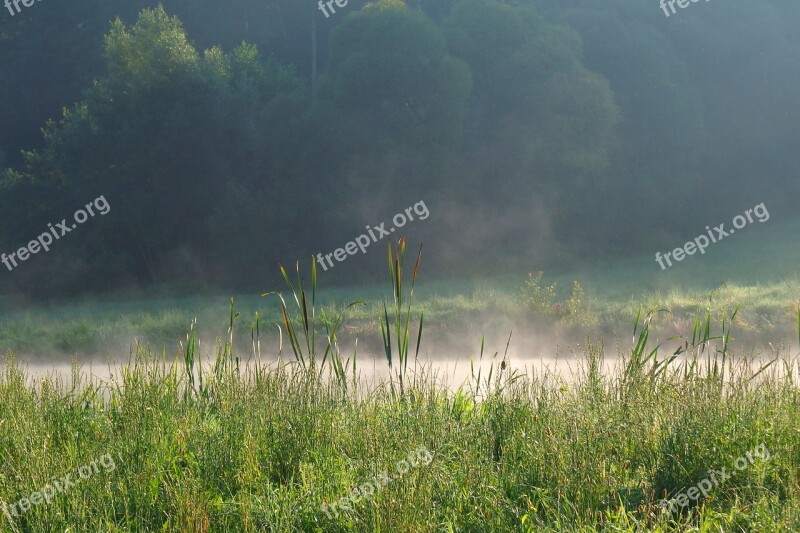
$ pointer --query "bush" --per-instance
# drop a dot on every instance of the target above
(542, 301)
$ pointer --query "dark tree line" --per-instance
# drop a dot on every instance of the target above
(229, 136)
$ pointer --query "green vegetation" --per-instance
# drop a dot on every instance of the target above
(238, 447)
(542, 132)
(569, 140)
(102, 330)
(543, 303)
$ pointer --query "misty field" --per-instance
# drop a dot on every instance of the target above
(690, 439)
(199, 201)
(264, 449)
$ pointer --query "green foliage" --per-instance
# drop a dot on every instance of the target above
(204, 147)
(151, 53)
(385, 5)
(301, 330)
(389, 70)
(532, 98)
(264, 447)
(166, 131)
(543, 302)
(400, 325)
(540, 300)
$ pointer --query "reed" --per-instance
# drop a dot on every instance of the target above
(400, 325)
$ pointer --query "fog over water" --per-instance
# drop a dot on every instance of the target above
(454, 360)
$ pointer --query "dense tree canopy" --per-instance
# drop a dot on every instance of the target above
(228, 137)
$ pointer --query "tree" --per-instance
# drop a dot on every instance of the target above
(161, 136)
(539, 118)
(395, 100)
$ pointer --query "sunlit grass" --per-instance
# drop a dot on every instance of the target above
(257, 448)
(91, 328)
(206, 442)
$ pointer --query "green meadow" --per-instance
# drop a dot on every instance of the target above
(220, 438)
(615, 290)
(523, 321)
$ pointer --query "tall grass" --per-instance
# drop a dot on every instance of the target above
(260, 447)
(400, 326)
(301, 329)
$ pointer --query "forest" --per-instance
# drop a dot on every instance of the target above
(231, 136)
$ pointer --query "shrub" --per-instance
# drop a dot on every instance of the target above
(542, 301)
